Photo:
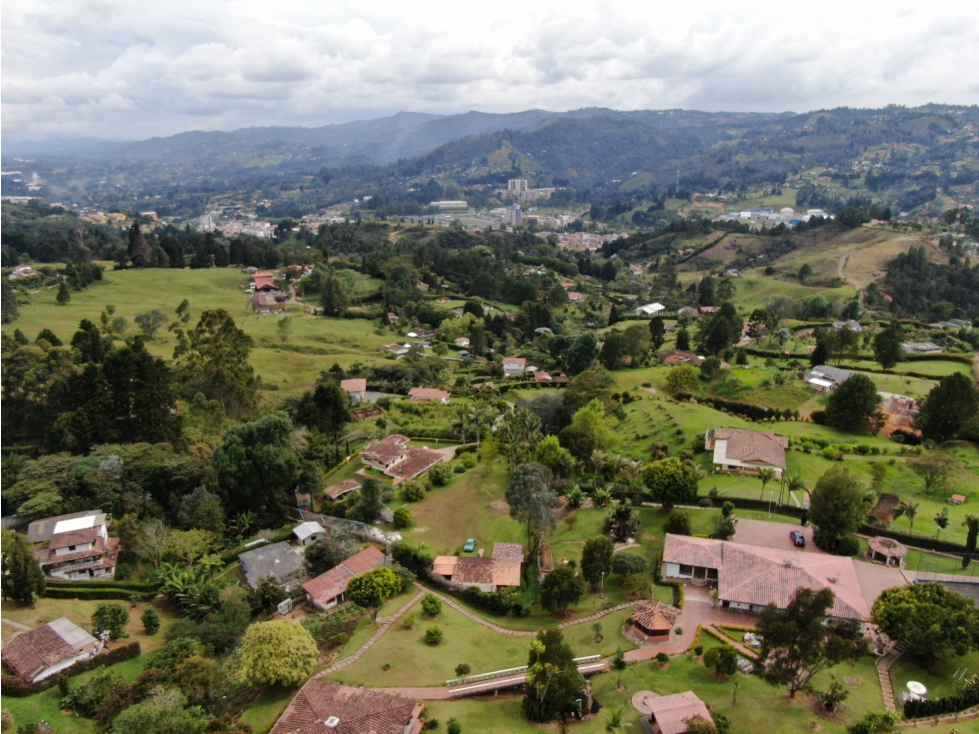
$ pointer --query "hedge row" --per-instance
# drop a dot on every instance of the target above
(19, 688)
(743, 503)
(748, 410)
(111, 584)
(91, 593)
(969, 697)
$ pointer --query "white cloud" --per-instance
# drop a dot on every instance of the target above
(136, 68)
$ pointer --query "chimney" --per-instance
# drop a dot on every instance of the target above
(834, 579)
(332, 723)
(787, 563)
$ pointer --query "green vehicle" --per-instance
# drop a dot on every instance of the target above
(470, 545)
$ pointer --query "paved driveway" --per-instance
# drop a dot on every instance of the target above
(773, 535)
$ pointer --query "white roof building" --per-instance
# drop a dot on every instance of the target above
(651, 309)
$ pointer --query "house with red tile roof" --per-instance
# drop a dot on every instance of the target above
(264, 281)
(355, 387)
(333, 708)
(328, 589)
(750, 577)
(397, 459)
(336, 491)
(80, 549)
(428, 394)
(743, 451)
(671, 714)
(514, 366)
(48, 650)
(541, 376)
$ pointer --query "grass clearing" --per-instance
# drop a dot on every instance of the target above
(267, 708)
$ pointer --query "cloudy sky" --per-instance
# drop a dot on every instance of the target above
(132, 69)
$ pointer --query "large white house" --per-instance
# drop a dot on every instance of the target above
(80, 548)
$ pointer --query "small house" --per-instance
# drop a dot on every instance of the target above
(46, 651)
(462, 341)
(264, 281)
(354, 387)
(428, 395)
(740, 450)
(278, 561)
(542, 376)
(514, 366)
(670, 714)
(308, 532)
(956, 499)
(328, 589)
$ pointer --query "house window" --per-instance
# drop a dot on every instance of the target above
(71, 547)
(686, 570)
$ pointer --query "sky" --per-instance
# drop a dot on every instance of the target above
(134, 69)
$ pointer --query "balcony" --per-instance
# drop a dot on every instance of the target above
(77, 566)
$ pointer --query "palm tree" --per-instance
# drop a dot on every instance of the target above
(941, 520)
(632, 469)
(766, 476)
(909, 510)
(613, 720)
(792, 484)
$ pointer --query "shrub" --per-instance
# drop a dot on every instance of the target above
(463, 669)
(151, 621)
(408, 621)
(413, 559)
(699, 650)
(662, 657)
(431, 605)
(727, 508)
(340, 639)
(678, 523)
(453, 727)
(434, 635)
(402, 518)
(848, 546)
(468, 461)
(439, 474)
(413, 492)
(458, 468)
(626, 563)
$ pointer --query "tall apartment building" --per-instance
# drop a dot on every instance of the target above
(514, 215)
(516, 185)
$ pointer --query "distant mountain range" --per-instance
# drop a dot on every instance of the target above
(601, 153)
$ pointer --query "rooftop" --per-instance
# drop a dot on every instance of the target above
(357, 384)
(30, 653)
(672, 712)
(277, 560)
(356, 711)
(341, 488)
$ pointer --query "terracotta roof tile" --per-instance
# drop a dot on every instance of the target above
(387, 450)
(359, 710)
(672, 712)
(655, 615)
(32, 652)
(354, 385)
(341, 488)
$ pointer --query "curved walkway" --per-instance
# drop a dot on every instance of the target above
(383, 624)
(523, 633)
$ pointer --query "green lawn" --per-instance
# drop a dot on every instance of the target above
(939, 681)
(267, 708)
(46, 706)
(760, 707)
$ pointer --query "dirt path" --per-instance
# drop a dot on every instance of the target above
(839, 272)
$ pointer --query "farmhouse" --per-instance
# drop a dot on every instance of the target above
(354, 387)
(278, 561)
(325, 706)
(264, 281)
(420, 333)
(650, 309)
(428, 394)
(78, 547)
(396, 349)
(575, 296)
(394, 457)
(739, 450)
(825, 378)
(22, 271)
(487, 574)
(462, 341)
(48, 650)
(327, 590)
(542, 376)
(750, 577)
(514, 366)
(675, 357)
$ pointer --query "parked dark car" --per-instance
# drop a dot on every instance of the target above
(798, 539)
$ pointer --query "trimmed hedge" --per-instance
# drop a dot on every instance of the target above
(743, 503)
(19, 688)
(969, 697)
(735, 407)
(126, 585)
(89, 593)
(492, 602)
